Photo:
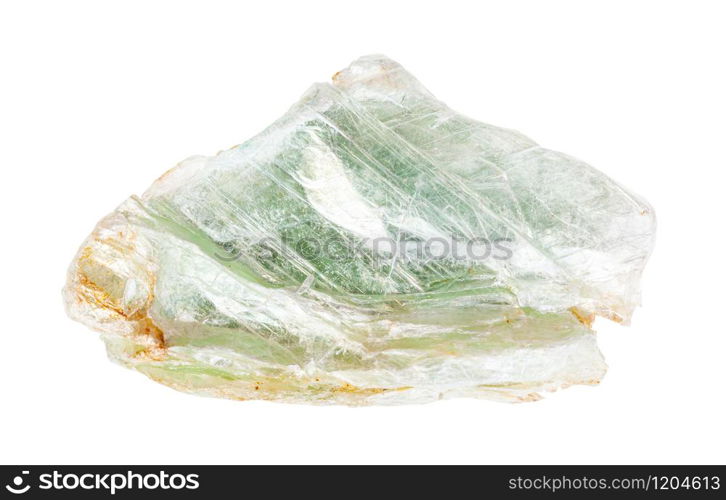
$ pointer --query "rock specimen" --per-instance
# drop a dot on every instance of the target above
(370, 246)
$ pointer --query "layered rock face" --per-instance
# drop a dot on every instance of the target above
(370, 246)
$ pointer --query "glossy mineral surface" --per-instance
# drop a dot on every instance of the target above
(370, 246)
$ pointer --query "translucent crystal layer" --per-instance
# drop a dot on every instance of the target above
(370, 246)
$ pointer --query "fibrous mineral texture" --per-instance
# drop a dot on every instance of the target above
(370, 246)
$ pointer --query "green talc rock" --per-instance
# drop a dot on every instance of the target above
(370, 246)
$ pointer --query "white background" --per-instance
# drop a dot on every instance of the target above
(99, 98)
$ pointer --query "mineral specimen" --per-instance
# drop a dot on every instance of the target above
(370, 246)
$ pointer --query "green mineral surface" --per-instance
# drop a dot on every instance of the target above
(370, 246)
